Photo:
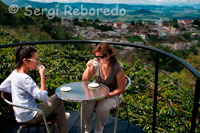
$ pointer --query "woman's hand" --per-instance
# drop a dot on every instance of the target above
(89, 71)
(90, 65)
(42, 70)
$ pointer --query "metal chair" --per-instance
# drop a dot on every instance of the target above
(121, 97)
(49, 121)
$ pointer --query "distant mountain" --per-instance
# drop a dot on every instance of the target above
(133, 12)
(197, 6)
(182, 5)
(143, 11)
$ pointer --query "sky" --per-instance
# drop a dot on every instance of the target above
(156, 2)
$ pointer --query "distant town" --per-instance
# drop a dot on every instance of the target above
(141, 29)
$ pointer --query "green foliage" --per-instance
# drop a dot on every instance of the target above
(5, 60)
(196, 22)
(187, 36)
(104, 28)
(132, 23)
(76, 22)
(56, 32)
(140, 23)
(167, 63)
(134, 38)
(97, 21)
(185, 78)
(6, 38)
(164, 62)
(139, 98)
(174, 23)
(153, 39)
(20, 20)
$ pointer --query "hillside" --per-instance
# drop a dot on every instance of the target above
(143, 11)
(31, 25)
(133, 12)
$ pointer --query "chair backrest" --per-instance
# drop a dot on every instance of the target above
(6, 97)
(6, 110)
(121, 97)
(128, 84)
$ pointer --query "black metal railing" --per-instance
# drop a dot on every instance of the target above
(158, 53)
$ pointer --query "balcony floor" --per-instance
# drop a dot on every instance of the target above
(74, 126)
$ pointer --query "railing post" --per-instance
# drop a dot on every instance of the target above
(155, 92)
(195, 106)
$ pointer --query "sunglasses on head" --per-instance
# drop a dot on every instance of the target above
(100, 57)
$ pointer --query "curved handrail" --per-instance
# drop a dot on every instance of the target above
(187, 65)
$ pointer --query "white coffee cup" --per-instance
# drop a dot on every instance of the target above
(95, 63)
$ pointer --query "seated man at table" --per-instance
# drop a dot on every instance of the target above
(109, 72)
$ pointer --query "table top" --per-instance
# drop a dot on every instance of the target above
(81, 92)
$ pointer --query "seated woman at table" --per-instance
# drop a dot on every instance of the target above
(110, 73)
(24, 91)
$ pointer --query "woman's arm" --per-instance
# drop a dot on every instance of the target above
(121, 83)
(89, 71)
(43, 83)
(42, 71)
(6, 85)
(29, 85)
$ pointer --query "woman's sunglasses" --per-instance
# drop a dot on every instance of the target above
(100, 57)
(34, 60)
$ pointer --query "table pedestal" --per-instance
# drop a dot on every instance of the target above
(82, 124)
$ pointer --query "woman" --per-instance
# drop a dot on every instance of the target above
(24, 91)
(110, 73)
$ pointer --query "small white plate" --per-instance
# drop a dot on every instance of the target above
(93, 85)
(65, 89)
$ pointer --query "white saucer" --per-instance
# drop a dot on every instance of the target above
(93, 85)
(65, 89)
